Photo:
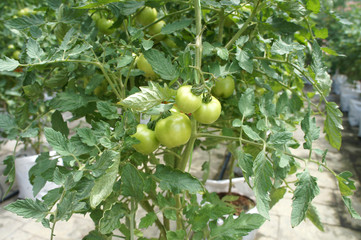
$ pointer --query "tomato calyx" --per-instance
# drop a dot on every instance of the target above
(197, 89)
(207, 98)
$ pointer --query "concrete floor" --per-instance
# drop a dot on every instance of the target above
(334, 216)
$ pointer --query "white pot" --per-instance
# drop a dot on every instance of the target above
(22, 168)
(239, 186)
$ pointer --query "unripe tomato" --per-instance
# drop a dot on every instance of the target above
(147, 16)
(155, 29)
(16, 54)
(186, 101)
(174, 130)
(148, 141)
(104, 26)
(144, 65)
(11, 46)
(170, 43)
(224, 87)
(209, 112)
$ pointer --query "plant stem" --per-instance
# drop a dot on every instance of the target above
(221, 25)
(147, 207)
(244, 26)
(198, 45)
(131, 218)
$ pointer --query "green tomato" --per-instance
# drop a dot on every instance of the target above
(144, 65)
(186, 101)
(224, 87)
(104, 25)
(155, 29)
(148, 141)
(170, 43)
(209, 112)
(174, 130)
(146, 16)
(11, 46)
(16, 54)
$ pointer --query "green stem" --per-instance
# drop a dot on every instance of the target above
(221, 25)
(198, 44)
(109, 80)
(244, 26)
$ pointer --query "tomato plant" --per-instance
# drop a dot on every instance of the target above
(88, 94)
(174, 130)
(148, 141)
(187, 101)
(224, 87)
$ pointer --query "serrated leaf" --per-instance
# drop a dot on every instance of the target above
(245, 162)
(100, 3)
(146, 99)
(222, 53)
(57, 141)
(69, 101)
(235, 228)
(87, 136)
(309, 127)
(147, 44)
(350, 209)
(321, 33)
(25, 22)
(246, 103)
(8, 64)
(345, 184)
(306, 191)
(107, 110)
(111, 218)
(161, 65)
(314, 217)
(28, 208)
(313, 5)
(58, 123)
(331, 51)
(34, 50)
(280, 138)
(124, 61)
(132, 182)
(147, 220)
(276, 194)
(177, 181)
(244, 60)
(280, 47)
(103, 162)
(250, 133)
(30, 133)
(9, 170)
(7, 122)
(263, 172)
(125, 8)
(103, 186)
(333, 124)
(176, 26)
(322, 77)
(67, 40)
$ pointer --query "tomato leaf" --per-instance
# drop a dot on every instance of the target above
(103, 186)
(132, 182)
(350, 209)
(147, 220)
(111, 218)
(309, 127)
(25, 22)
(176, 26)
(161, 65)
(235, 228)
(28, 208)
(8, 64)
(107, 110)
(176, 180)
(263, 172)
(333, 125)
(58, 123)
(246, 103)
(57, 141)
(313, 5)
(306, 191)
(244, 60)
(313, 215)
